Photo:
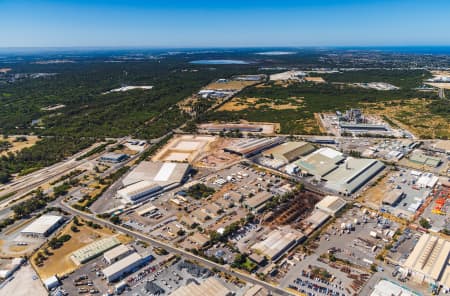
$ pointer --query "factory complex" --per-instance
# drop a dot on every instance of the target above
(150, 178)
(278, 242)
(429, 261)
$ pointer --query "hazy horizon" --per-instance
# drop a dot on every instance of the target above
(207, 24)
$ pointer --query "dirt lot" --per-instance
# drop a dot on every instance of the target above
(215, 157)
(184, 148)
(59, 262)
(373, 196)
(412, 115)
(315, 79)
(238, 104)
(17, 146)
(232, 84)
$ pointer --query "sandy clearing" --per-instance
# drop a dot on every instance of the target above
(17, 146)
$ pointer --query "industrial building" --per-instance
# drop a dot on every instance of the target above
(209, 287)
(387, 288)
(422, 159)
(250, 147)
(117, 253)
(352, 175)
(162, 173)
(52, 282)
(393, 197)
(150, 178)
(125, 266)
(319, 163)
(138, 191)
(258, 200)
(113, 157)
(278, 242)
(290, 151)
(43, 226)
(227, 127)
(362, 127)
(314, 221)
(428, 262)
(331, 204)
(94, 249)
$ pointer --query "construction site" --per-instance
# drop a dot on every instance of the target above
(184, 148)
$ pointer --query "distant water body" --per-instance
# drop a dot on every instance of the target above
(219, 62)
(445, 50)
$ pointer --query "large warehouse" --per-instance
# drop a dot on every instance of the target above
(278, 242)
(352, 175)
(124, 266)
(43, 226)
(428, 262)
(289, 151)
(117, 253)
(320, 162)
(209, 287)
(253, 146)
(149, 178)
(139, 191)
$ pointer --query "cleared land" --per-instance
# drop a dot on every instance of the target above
(59, 262)
(239, 104)
(230, 84)
(184, 148)
(19, 145)
(413, 115)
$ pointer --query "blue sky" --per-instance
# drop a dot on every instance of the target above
(190, 23)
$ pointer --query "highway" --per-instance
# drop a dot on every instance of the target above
(245, 277)
(30, 182)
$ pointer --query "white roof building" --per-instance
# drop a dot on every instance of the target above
(138, 191)
(122, 267)
(117, 253)
(278, 242)
(331, 204)
(429, 260)
(43, 225)
(51, 282)
(209, 287)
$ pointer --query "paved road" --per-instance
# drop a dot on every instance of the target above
(28, 183)
(175, 250)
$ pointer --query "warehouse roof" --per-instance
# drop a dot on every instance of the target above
(387, 288)
(290, 150)
(42, 224)
(139, 187)
(116, 252)
(258, 199)
(94, 249)
(121, 264)
(352, 175)
(253, 145)
(331, 204)
(209, 287)
(393, 197)
(320, 162)
(430, 257)
(278, 241)
(161, 173)
(423, 159)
